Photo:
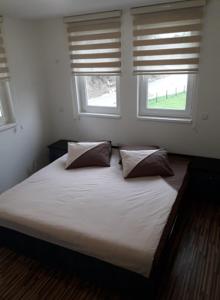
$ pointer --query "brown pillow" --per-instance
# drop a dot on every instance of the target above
(140, 163)
(87, 154)
(134, 147)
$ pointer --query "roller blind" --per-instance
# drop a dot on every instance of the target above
(4, 71)
(167, 38)
(95, 43)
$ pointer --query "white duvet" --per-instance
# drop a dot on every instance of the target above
(94, 211)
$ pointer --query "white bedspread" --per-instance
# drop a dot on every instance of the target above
(94, 211)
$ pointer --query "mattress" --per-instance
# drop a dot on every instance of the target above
(95, 211)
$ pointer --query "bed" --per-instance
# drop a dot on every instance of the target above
(96, 212)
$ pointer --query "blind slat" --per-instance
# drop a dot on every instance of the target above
(96, 55)
(3, 60)
(175, 29)
(173, 51)
(162, 71)
(90, 37)
(94, 73)
(97, 65)
(178, 40)
(95, 46)
(168, 62)
(82, 28)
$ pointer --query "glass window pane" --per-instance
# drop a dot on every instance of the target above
(167, 92)
(101, 91)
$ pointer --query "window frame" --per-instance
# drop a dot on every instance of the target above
(2, 118)
(143, 111)
(82, 100)
(6, 104)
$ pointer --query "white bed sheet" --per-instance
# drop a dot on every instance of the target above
(94, 211)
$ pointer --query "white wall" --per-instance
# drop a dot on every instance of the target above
(58, 78)
(42, 94)
(201, 138)
(24, 150)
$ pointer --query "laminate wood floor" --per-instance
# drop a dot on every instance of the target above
(194, 275)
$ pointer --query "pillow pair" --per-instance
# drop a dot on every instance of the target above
(137, 161)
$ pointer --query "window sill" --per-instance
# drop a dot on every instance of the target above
(166, 119)
(7, 126)
(110, 116)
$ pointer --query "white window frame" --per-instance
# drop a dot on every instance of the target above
(143, 111)
(6, 104)
(2, 118)
(82, 99)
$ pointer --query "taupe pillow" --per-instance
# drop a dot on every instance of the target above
(140, 163)
(135, 147)
(88, 154)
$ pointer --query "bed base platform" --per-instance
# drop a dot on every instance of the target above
(103, 273)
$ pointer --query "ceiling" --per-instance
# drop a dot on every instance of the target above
(38, 9)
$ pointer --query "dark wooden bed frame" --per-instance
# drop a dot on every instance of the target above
(95, 269)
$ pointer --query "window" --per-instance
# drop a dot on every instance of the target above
(98, 94)
(166, 95)
(95, 54)
(167, 41)
(6, 109)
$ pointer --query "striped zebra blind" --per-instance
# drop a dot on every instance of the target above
(95, 43)
(166, 38)
(4, 71)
